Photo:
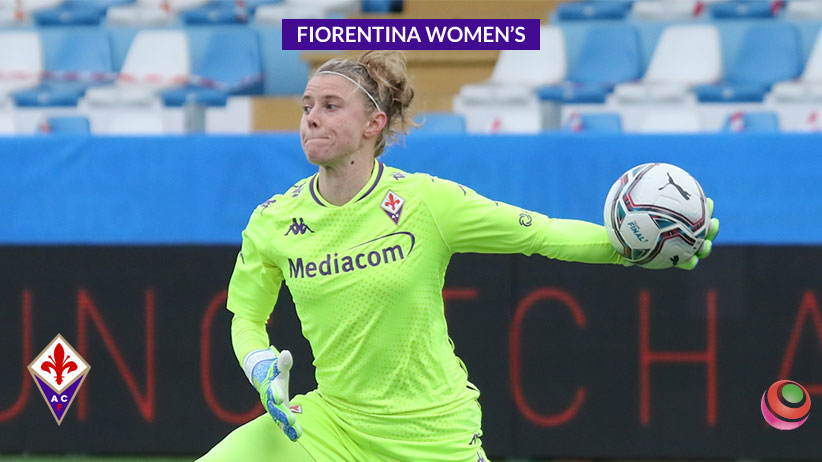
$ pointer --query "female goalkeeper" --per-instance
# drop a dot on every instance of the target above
(363, 248)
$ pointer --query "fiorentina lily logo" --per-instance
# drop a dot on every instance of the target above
(392, 205)
(59, 373)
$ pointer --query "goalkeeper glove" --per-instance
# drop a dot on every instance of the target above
(705, 250)
(269, 373)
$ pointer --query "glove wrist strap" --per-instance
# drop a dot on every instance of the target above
(252, 360)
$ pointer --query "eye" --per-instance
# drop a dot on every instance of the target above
(306, 109)
(331, 106)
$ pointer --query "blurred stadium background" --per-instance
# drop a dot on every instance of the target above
(124, 242)
(217, 66)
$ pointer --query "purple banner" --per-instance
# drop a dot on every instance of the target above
(411, 34)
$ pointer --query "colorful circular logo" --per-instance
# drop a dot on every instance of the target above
(786, 405)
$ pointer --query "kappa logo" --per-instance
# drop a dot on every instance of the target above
(298, 188)
(392, 205)
(59, 372)
(265, 205)
(298, 227)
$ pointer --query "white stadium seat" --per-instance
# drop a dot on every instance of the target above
(685, 56)
(156, 59)
(507, 100)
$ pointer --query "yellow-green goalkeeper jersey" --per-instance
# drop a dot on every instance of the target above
(367, 278)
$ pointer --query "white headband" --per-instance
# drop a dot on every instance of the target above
(355, 83)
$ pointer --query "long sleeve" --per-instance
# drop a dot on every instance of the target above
(470, 222)
(252, 293)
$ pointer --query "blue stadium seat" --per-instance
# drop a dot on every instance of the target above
(231, 65)
(764, 121)
(594, 9)
(441, 122)
(219, 12)
(65, 125)
(76, 13)
(602, 122)
(381, 6)
(609, 55)
(83, 59)
(746, 9)
(768, 53)
(223, 12)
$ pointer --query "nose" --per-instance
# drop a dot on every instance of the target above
(312, 118)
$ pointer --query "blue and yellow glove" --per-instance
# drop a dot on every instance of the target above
(705, 250)
(268, 371)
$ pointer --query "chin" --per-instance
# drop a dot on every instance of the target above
(317, 158)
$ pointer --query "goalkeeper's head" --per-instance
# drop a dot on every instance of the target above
(356, 104)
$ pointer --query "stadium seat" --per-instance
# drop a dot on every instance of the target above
(223, 12)
(601, 122)
(808, 86)
(82, 60)
(76, 13)
(517, 72)
(684, 56)
(218, 12)
(764, 121)
(65, 125)
(21, 61)
(768, 53)
(156, 60)
(273, 14)
(609, 55)
(231, 66)
(508, 100)
(440, 122)
(149, 12)
(594, 9)
(667, 10)
(747, 9)
(381, 6)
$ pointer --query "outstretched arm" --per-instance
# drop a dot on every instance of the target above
(469, 222)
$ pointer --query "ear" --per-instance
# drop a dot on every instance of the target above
(375, 124)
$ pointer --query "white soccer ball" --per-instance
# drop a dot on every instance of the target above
(656, 215)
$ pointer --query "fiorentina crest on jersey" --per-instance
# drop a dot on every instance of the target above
(59, 372)
(392, 204)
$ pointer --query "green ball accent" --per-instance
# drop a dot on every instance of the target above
(792, 393)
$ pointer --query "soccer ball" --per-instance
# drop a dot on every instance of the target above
(656, 215)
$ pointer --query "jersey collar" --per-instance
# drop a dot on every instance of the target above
(376, 174)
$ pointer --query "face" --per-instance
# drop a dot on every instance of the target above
(335, 125)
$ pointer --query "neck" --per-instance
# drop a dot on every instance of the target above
(339, 183)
